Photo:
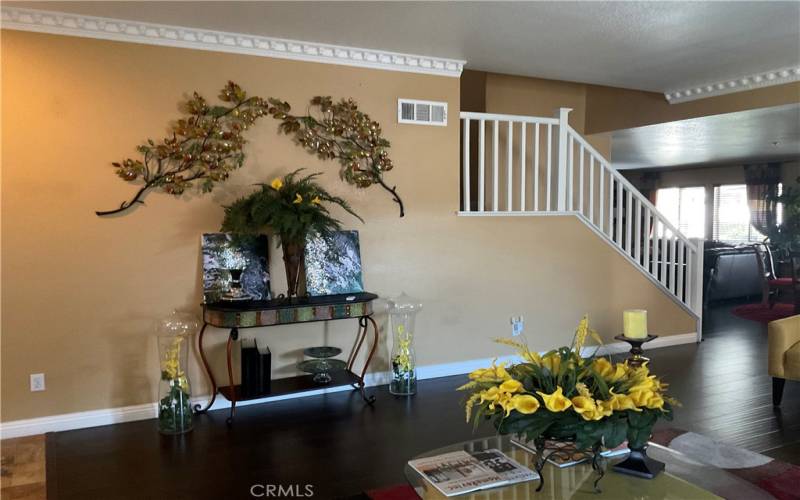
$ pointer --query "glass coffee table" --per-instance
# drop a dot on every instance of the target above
(683, 479)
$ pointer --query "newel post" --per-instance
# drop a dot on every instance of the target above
(563, 121)
(697, 285)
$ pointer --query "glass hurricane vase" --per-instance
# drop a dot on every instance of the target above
(402, 316)
(174, 401)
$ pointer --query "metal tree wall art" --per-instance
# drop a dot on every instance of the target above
(340, 131)
(207, 145)
(204, 147)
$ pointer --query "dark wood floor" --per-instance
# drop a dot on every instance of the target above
(342, 447)
(726, 391)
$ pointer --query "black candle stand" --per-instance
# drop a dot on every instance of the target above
(637, 359)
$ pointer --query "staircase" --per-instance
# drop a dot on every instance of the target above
(532, 166)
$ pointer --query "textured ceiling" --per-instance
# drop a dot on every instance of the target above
(656, 46)
(743, 137)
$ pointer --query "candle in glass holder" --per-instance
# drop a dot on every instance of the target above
(634, 322)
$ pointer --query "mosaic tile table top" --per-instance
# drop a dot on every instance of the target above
(279, 312)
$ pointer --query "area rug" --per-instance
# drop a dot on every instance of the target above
(401, 492)
(779, 479)
(763, 314)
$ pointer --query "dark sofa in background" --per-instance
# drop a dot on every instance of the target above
(730, 272)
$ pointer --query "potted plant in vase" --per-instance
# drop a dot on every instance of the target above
(292, 207)
(562, 398)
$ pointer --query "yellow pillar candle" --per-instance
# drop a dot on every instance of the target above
(634, 322)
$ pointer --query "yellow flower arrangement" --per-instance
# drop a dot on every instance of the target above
(174, 407)
(170, 364)
(556, 401)
(561, 394)
(403, 357)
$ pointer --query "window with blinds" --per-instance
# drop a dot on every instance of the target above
(684, 208)
(731, 222)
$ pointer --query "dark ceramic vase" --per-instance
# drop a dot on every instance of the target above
(293, 257)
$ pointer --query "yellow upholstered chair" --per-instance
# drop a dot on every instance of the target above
(784, 354)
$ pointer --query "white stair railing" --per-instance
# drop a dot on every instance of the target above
(525, 165)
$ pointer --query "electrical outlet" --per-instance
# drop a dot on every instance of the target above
(517, 325)
(37, 382)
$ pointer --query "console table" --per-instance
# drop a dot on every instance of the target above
(252, 314)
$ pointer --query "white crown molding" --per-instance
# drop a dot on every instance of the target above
(107, 416)
(60, 23)
(741, 84)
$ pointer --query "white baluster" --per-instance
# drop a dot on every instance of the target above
(664, 254)
(496, 166)
(580, 181)
(689, 277)
(570, 173)
(628, 220)
(536, 167)
(522, 167)
(549, 187)
(657, 229)
(591, 188)
(647, 241)
(619, 214)
(467, 207)
(509, 164)
(601, 198)
(638, 233)
(681, 269)
(481, 167)
(673, 265)
(610, 205)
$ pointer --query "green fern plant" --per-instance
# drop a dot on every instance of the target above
(292, 206)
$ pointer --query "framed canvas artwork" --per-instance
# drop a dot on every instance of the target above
(333, 264)
(235, 271)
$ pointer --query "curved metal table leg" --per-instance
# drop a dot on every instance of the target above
(362, 327)
(363, 323)
(197, 407)
(233, 336)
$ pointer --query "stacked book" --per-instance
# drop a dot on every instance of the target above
(256, 366)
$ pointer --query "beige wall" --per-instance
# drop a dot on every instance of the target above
(599, 110)
(611, 108)
(520, 95)
(80, 293)
(473, 91)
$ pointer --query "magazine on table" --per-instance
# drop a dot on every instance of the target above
(462, 472)
(568, 455)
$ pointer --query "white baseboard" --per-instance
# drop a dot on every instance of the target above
(669, 340)
(78, 420)
(94, 418)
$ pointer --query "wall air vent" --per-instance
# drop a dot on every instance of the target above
(422, 112)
